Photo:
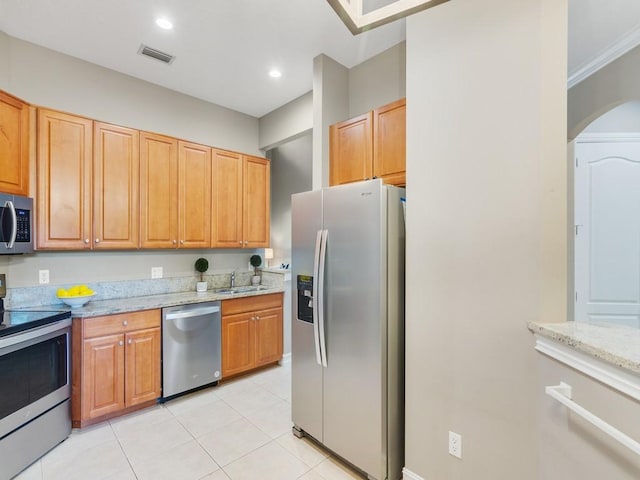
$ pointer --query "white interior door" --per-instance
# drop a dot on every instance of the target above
(607, 246)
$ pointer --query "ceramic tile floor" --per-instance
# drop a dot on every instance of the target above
(240, 430)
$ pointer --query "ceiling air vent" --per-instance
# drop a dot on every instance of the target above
(157, 54)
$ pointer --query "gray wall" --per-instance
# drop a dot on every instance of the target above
(287, 122)
(615, 84)
(290, 173)
(378, 81)
(486, 229)
(624, 118)
(51, 79)
(55, 80)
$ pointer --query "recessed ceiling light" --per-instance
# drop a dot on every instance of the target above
(275, 73)
(164, 23)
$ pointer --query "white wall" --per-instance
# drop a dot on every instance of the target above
(378, 81)
(486, 229)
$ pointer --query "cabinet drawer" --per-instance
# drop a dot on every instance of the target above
(251, 304)
(122, 322)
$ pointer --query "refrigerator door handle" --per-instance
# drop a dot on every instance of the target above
(314, 298)
(323, 254)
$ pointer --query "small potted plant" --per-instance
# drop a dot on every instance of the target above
(202, 265)
(256, 261)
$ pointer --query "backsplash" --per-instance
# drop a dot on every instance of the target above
(46, 295)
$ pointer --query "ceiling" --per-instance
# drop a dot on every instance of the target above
(225, 48)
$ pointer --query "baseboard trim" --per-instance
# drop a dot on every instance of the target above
(409, 475)
(286, 358)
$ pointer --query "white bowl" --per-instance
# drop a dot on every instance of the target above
(78, 301)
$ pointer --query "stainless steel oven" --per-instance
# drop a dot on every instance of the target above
(35, 384)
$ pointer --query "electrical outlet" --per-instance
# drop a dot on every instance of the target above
(43, 276)
(455, 444)
(156, 272)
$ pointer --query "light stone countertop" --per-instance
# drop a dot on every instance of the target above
(96, 308)
(618, 345)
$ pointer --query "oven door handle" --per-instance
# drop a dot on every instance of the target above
(27, 335)
(14, 223)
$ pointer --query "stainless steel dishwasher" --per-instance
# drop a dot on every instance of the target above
(191, 347)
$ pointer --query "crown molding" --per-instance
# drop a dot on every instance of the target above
(616, 50)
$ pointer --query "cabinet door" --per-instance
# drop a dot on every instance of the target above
(256, 202)
(226, 205)
(158, 191)
(64, 181)
(351, 150)
(102, 376)
(14, 145)
(268, 336)
(116, 170)
(194, 194)
(237, 343)
(389, 143)
(142, 379)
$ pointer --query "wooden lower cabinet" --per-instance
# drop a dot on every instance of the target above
(115, 365)
(251, 333)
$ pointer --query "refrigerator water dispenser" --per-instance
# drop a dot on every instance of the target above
(305, 297)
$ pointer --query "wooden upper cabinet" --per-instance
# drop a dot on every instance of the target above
(256, 202)
(64, 181)
(372, 145)
(158, 191)
(351, 150)
(14, 145)
(116, 167)
(227, 197)
(194, 195)
(389, 143)
(241, 200)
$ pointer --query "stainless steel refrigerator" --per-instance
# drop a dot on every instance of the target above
(348, 323)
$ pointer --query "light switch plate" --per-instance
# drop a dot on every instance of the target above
(156, 272)
(43, 277)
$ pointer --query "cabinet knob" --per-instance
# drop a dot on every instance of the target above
(246, 242)
(120, 343)
(257, 318)
(182, 241)
(129, 341)
(253, 318)
(125, 323)
(86, 240)
(174, 242)
(97, 240)
(240, 242)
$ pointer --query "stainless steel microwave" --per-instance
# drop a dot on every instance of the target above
(16, 224)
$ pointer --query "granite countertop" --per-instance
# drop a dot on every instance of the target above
(96, 308)
(618, 345)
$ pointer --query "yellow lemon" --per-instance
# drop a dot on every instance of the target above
(62, 293)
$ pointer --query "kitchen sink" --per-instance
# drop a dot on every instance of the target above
(244, 289)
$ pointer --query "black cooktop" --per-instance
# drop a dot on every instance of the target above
(14, 321)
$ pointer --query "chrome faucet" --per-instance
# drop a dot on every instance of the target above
(233, 279)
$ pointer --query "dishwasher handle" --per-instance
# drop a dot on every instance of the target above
(196, 312)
